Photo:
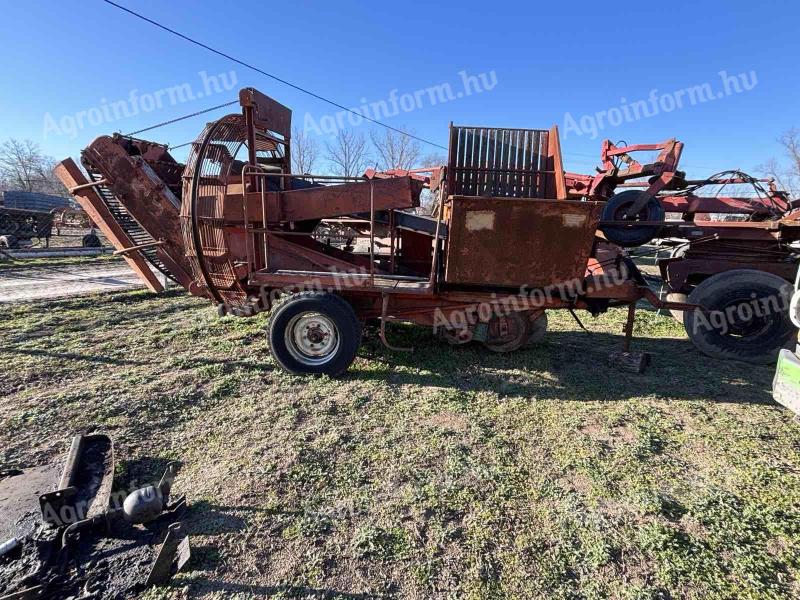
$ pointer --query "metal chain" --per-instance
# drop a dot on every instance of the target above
(180, 146)
(199, 112)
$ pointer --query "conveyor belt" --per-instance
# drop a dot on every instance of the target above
(131, 227)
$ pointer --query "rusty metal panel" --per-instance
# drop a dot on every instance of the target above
(325, 201)
(144, 195)
(337, 200)
(269, 113)
(555, 164)
(511, 242)
(71, 176)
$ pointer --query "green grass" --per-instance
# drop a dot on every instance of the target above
(447, 473)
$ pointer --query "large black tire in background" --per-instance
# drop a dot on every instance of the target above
(615, 210)
(755, 334)
(314, 333)
(90, 240)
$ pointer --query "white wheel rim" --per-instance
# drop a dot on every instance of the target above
(311, 338)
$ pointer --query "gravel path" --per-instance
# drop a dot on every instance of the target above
(39, 283)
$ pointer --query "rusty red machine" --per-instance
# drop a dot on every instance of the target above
(512, 235)
(764, 219)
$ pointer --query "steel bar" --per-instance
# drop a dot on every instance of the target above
(629, 326)
(435, 253)
(85, 186)
(125, 251)
(371, 231)
(384, 317)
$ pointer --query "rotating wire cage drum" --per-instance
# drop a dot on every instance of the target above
(219, 253)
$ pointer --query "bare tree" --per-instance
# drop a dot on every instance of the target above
(24, 167)
(395, 150)
(787, 176)
(427, 199)
(305, 152)
(20, 164)
(347, 154)
(437, 159)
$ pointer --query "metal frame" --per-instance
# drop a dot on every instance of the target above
(248, 227)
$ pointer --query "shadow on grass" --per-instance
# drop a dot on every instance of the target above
(568, 365)
(93, 358)
(141, 472)
(234, 589)
(209, 519)
(206, 518)
(127, 362)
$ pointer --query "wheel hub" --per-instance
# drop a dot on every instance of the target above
(744, 323)
(622, 213)
(312, 338)
(506, 333)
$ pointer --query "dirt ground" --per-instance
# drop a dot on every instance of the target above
(447, 473)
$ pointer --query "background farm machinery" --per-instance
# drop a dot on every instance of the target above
(512, 236)
(28, 216)
(714, 231)
(732, 237)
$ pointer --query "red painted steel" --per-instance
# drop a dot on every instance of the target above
(238, 227)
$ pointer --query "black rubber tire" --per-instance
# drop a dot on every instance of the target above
(90, 240)
(725, 334)
(536, 331)
(631, 236)
(337, 310)
(514, 340)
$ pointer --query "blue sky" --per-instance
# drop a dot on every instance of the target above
(576, 63)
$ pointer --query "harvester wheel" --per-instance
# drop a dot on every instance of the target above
(629, 236)
(506, 333)
(314, 333)
(536, 330)
(749, 318)
(456, 337)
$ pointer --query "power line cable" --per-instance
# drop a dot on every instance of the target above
(270, 75)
